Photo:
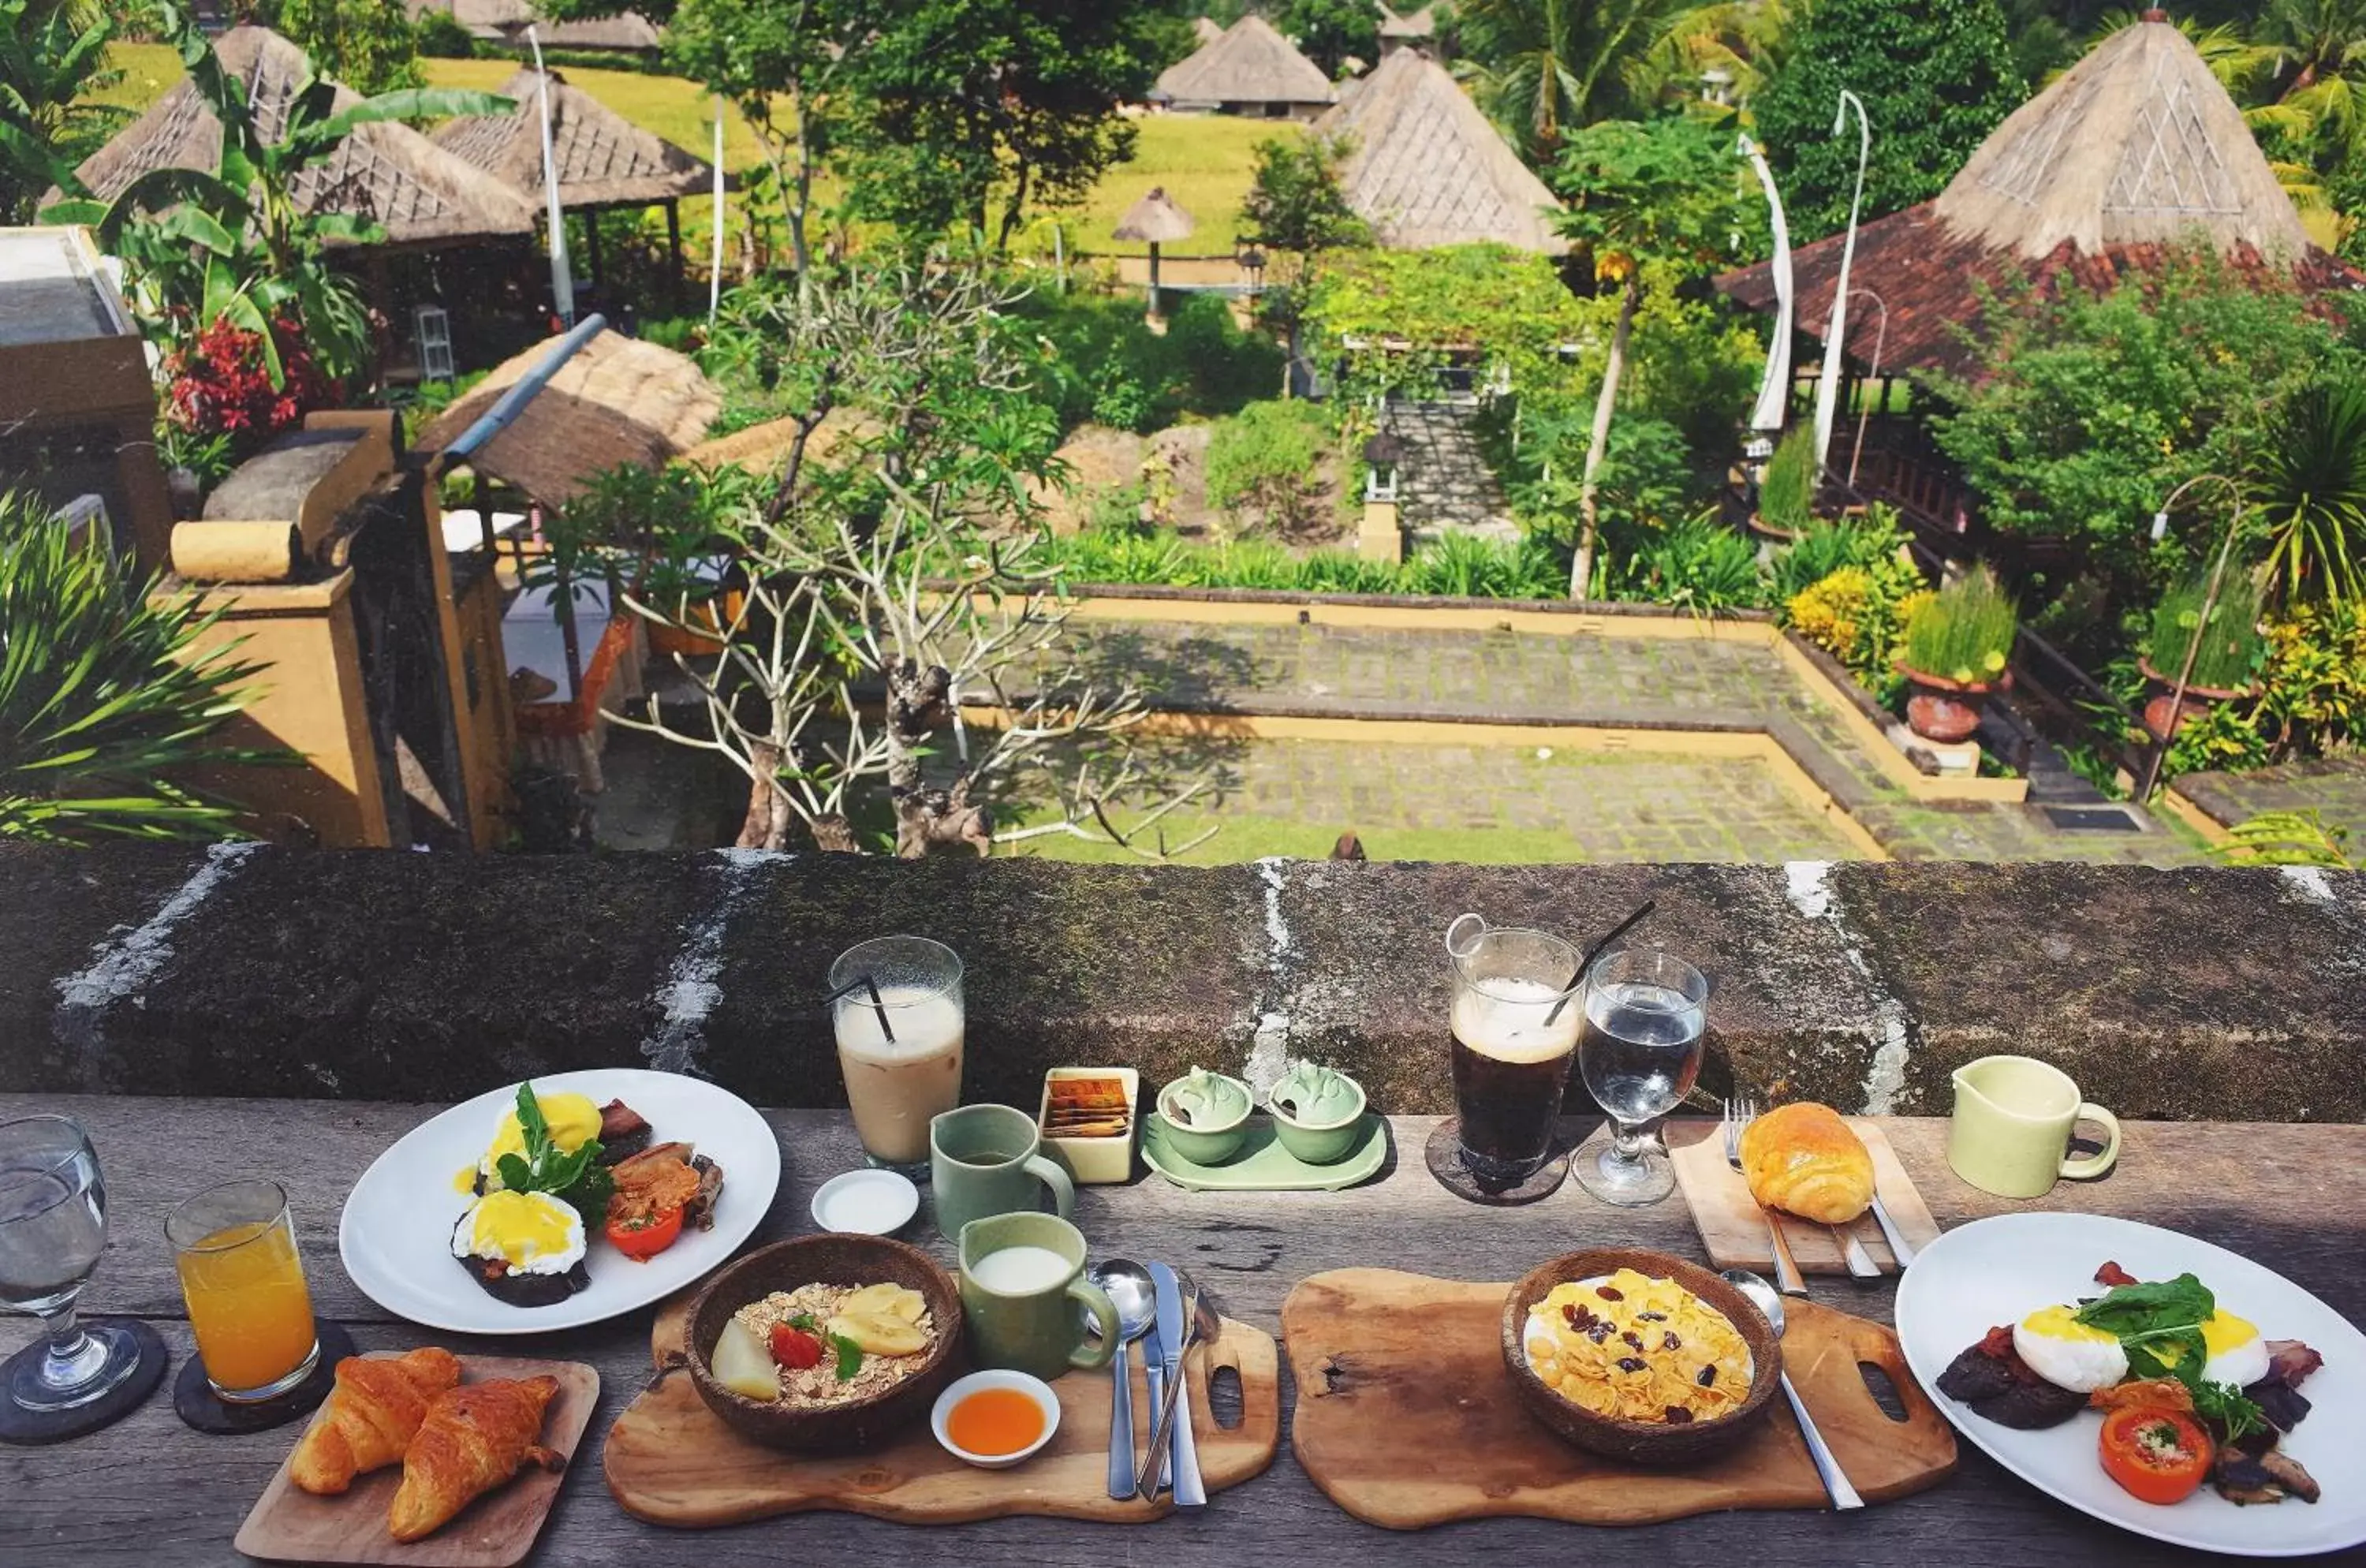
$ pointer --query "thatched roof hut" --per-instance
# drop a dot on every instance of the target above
(605, 160)
(1248, 69)
(505, 21)
(1206, 30)
(386, 173)
(1412, 29)
(618, 400)
(1428, 169)
(2134, 149)
(1156, 219)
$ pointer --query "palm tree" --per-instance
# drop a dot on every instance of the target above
(1734, 45)
(2318, 50)
(1546, 67)
(52, 53)
(2310, 488)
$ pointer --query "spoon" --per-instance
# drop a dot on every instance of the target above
(1129, 1288)
(1836, 1481)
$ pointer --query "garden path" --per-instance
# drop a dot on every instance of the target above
(1449, 485)
(2334, 788)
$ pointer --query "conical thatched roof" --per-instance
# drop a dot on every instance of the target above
(617, 401)
(388, 172)
(603, 157)
(1428, 169)
(2132, 151)
(1156, 219)
(1206, 30)
(1414, 27)
(1248, 63)
(2135, 144)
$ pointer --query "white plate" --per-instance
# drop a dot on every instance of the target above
(865, 1202)
(396, 1234)
(2000, 1270)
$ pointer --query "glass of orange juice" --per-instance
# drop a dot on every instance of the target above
(249, 1308)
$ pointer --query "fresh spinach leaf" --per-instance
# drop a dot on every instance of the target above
(2151, 1307)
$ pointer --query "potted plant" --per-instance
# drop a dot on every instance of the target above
(1786, 495)
(1959, 643)
(2226, 656)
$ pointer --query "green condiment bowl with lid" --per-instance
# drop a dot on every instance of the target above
(1204, 1140)
(1323, 1140)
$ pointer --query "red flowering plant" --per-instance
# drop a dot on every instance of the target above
(221, 383)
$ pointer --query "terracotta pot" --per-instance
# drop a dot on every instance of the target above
(713, 614)
(2199, 700)
(1947, 711)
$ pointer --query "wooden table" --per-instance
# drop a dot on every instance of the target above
(150, 1492)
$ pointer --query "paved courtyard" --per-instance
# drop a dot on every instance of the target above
(1531, 678)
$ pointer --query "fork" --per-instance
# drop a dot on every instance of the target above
(1738, 1115)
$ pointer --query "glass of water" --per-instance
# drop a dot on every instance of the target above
(1638, 1054)
(52, 1229)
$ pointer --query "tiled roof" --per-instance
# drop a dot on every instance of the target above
(603, 157)
(1428, 169)
(1930, 275)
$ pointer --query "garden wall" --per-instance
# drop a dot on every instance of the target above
(2234, 993)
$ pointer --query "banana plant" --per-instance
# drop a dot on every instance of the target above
(234, 241)
(51, 51)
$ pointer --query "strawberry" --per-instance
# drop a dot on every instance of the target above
(794, 1349)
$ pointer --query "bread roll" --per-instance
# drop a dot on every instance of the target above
(1805, 1160)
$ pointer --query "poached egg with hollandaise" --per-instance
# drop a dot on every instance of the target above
(574, 1120)
(2068, 1353)
(533, 1232)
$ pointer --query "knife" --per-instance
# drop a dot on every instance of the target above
(1153, 1469)
(1190, 1492)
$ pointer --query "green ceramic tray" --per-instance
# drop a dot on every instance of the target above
(1263, 1165)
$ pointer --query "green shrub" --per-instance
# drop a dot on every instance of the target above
(2286, 838)
(1858, 614)
(1964, 631)
(1102, 364)
(441, 35)
(2229, 653)
(1698, 566)
(1265, 458)
(1827, 546)
(2313, 696)
(2310, 486)
(1467, 567)
(1787, 496)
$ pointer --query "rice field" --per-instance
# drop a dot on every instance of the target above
(1204, 162)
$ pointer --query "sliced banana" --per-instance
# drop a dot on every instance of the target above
(908, 1304)
(879, 1334)
(888, 1301)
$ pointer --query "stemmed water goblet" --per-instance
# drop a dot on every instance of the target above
(52, 1230)
(1639, 1053)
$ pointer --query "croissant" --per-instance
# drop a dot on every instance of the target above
(370, 1417)
(1803, 1158)
(474, 1439)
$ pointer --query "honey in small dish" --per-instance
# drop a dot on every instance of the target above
(994, 1422)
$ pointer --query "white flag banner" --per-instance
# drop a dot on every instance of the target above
(1828, 385)
(1774, 390)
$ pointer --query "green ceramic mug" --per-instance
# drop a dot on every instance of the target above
(2012, 1124)
(988, 1160)
(1021, 1280)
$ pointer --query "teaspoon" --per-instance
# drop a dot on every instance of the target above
(1130, 1290)
(1836, 1481)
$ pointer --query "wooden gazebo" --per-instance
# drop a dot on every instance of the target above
(605, 160)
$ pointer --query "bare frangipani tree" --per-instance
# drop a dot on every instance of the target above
(892, 578)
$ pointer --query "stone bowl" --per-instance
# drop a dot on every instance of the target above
(849, 1260)
(1641, 1443)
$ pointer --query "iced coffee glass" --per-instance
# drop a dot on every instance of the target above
(896, 1012)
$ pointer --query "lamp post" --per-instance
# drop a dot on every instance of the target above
(1863, 414)
(1251, 261)
(2209, 603)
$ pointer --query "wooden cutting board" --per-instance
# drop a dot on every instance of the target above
(1408, 1418)
(669, 1459)
(289, 1524)
(1735, 1235)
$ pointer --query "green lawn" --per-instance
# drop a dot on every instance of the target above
(1203, 161)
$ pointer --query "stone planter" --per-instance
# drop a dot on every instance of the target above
(2163, 715)
(1947, 711)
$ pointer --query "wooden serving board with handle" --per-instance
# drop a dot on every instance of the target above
(289, 1524)
(1407, 1417)
(672, 1461)
(1733, 1228)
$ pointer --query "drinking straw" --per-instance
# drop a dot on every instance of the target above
(864, 982)
(1586, 963)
